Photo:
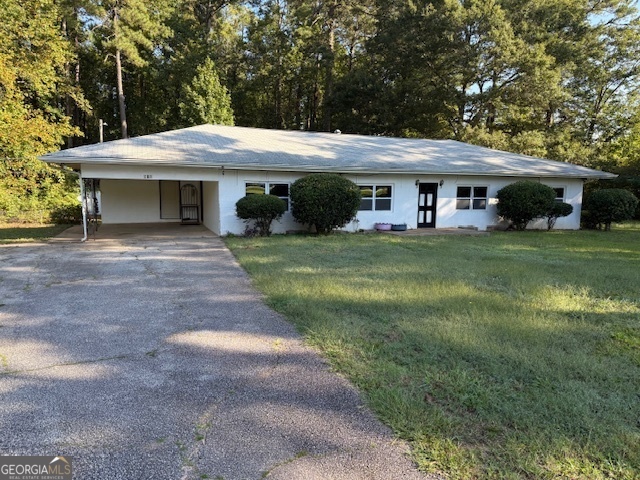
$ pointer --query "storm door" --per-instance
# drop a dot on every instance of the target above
(189, 204)
(427, 197)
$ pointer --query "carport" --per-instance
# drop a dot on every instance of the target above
(126, 200)
(161, 196)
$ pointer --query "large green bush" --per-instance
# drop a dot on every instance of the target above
(627, 180)
(524, 201)
(324, 201)
(602, 207)
(262, 210)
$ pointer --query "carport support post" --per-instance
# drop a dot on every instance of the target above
(84, 209)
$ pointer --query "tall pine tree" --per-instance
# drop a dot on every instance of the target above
(205, 99)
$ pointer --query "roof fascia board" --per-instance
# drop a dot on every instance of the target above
(354, 170)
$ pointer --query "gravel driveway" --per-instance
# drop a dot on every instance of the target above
(156, 359)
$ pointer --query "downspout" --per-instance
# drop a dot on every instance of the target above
(84, 209)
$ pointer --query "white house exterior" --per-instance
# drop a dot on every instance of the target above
(196, 175)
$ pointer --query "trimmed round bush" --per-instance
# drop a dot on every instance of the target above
(524, 201)
(324, 201)
(558, 209)
(608, 205)
(262, 210)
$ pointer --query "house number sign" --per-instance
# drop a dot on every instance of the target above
(147, 176)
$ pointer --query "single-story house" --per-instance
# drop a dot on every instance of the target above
(198, 174)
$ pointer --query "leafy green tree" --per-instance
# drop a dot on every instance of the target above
(33, 58)
(324, 201)
(206, 100)
(128, 27)
(271, 91)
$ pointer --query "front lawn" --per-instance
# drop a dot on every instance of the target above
(21, 233)
(510, 356)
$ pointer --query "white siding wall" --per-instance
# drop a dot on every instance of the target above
(233, 187)
(404, 207)
(135, 172)
(211, 206)
(448, 216)
(137, 201)
(130, 201)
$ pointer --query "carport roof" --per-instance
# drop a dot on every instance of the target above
(261, 149)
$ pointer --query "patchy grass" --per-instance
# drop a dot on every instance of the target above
(508, 356)
(22, 233)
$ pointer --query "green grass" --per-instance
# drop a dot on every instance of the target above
(509, 356)
(22, 233)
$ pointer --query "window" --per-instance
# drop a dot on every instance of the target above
(280, 190)
(559, 194)
(471, 198)
(375, 197)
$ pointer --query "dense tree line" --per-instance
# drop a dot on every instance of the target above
(554, 79)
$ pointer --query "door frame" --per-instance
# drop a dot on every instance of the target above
(427, 188)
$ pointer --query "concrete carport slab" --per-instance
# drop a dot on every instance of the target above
(135, 232)
(156, 359)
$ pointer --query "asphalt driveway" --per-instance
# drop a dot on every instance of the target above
(154, 358)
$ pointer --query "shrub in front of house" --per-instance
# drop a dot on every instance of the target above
(557, 210)
(524, 201)
(67, 214)
(602, 207)
(325, 201)
(262, 210)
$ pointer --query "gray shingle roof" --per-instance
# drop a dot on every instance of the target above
(261, 149)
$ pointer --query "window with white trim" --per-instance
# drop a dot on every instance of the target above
(471, 198)
(376, 197)
(280, 190)
(559, 194)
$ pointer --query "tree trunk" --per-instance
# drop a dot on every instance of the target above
(279, 119)
(313, 105)
(298, 108)
(76, 110)
(549, 117)
(328, 88)
(71, 108)
(491, 116)
(121, 104)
